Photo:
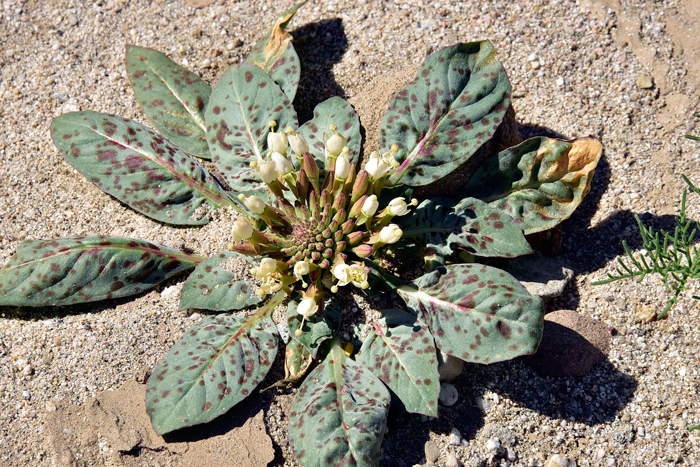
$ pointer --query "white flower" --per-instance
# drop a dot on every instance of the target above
(375, 167)
(369, 207)
(242, 230)
(307, 307)
(267, 171)
(298, 144)
(398, 206)
(390, 234)
(277, 142)
(282, 163)
(342, 273)
(301, 268)
(342, 167)
(266, 268)
(335, 144)
(358, 274)
(255, 204)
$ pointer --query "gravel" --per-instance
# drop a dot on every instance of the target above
(574, 72)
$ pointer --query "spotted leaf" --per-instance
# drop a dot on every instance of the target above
(275, 54)
(139, 167)
(316, 330)
(477, 313)
(400, 351)
(216, 364)
(172, 98)
(215, 285)
(540, 182)
(340, 113)
(452, 107)
(85, 269)
(242, 104)
(339, 414)
(470, 225)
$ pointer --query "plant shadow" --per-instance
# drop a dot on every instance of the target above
(319, 45)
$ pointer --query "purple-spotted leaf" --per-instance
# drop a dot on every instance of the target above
(214, 285)
(139, 167)
(85, 269)
(296, 359)
(339, 414)
(317, 329)
(332, 111)
(477, 313)
(452, 107)
(172, 98)
(216, 364)
(540, 182)
(242, 104)
(470, 225)
(400, 351)
(275, 54)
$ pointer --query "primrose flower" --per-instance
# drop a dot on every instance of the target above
(267, 171)
(282, 164)
(242, 230)
(399, 206)
(390, 234)
(342, 166)
(343, 274)
(358, 275)
(266, 268)
(307, 307)
(298, 144)
(301, 268)
(335, 144)
(376, 167)
(255, 204)
(277, 142)
(369, 207)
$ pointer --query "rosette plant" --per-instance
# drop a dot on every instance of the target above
(314, 222)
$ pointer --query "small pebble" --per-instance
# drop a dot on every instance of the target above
(72, 20)
(206, 63)
(432, 452)
(455, 437)
(644, 82)
(25, 413)
(448, 394)
(559, 460)
(493, 445)
(171, 292)
(50, 406)
(452, 461)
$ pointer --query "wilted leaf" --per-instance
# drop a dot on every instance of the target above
(215, 286)
(242, 104)
(400, 351)
(85, 269)
(477, 313)
(540, 182)
(172, 98)
(139, 167)
(275, 54)
(471, 225)
(452, 107)
(215, 365)
(339, 414)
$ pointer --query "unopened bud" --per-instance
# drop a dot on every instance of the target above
(342, 167)
(310, 167)
(369, 207)
(360, 186)
(390, 234)
(298, 144)
(363, 250)
(335, 144)
(355, 238)
(277, 142)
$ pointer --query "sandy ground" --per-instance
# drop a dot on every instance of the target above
(70, 377)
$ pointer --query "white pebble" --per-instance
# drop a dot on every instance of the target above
(170, 292)
(561, 81)
(481, 404)
(493, 445)
(601, 453)
(448, 394)
(559, 460)
(455, 437)
(50, 406)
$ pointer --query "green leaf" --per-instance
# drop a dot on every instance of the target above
(318, 329)
(471, 225)
(172, 97)
(214, 285)
(275, 54)
(477, 313)
(540, 182)
(138, 167)
(216, 364)
(380, 281)
(400, 351)
(339, 112)
(86, 269)
(339, 414)
(453, 106)
(242, 104)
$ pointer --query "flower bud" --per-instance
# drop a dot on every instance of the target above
(369, 207)
(277, 142)
(242, 230)
(335, 144)
(310, 167)
(282, 163)
(360, 186)
(355, 238)
(342, 167)
(398, 206)
(376, 166)
(390, 234)
(267, 171)
(298, 144)
(255, 204)
(363, 250)
(307, 307)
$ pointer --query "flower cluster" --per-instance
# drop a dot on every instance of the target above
(318, 228)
